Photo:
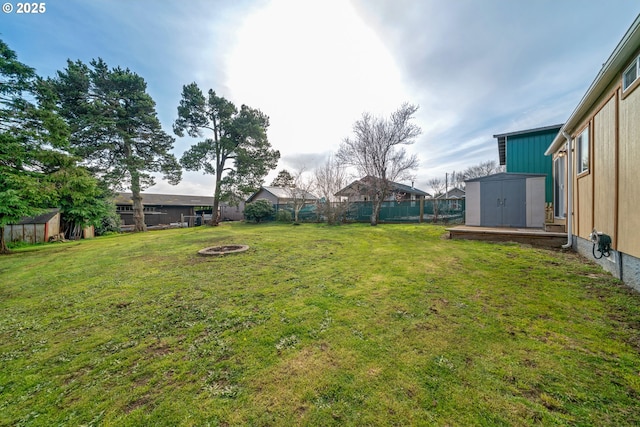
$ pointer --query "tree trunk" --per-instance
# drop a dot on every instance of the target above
(138, 207)
(3, 246)
(216, 198)
(376, 212)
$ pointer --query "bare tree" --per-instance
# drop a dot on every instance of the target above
(377, 150)
(438, 186)
(330, 178)
(488, 167)
(299, 191)
(454, 180)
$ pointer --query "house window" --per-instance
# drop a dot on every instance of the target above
(631, 74)
(582, 148)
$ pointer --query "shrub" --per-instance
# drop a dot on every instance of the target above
(283, 216)
(109, 224)
(258, 210)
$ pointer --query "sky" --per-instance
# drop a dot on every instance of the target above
(476, 68)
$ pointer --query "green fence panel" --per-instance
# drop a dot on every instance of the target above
(447, 211)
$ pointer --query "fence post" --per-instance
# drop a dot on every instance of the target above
(421, 210)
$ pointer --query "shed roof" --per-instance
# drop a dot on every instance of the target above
(502, 138)
(165, 200)
(40, 219)
(610, 70)
(503, 176)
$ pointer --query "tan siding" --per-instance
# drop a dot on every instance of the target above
(604, 169)
(629, 180)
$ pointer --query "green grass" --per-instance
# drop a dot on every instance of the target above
(314, 325)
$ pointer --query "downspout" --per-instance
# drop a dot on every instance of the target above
(569, 243)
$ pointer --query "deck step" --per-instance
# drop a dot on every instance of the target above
(554, 228)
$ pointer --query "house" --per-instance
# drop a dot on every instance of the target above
(453, 197)
(165, 209)
(361, 191)
(35, 229)
(523, 152)
(453, 193)
(596, 179)
(282, 195)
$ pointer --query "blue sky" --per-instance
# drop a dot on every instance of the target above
(475, 67)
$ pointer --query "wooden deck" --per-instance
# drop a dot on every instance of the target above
(532, 236)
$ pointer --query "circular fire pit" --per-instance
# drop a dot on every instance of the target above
(222, 250)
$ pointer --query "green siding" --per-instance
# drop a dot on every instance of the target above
(525, 154)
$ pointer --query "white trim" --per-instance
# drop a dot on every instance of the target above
(634, 65)
(582, 149)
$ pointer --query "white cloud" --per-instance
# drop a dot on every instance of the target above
(314, 68)
(475, 68)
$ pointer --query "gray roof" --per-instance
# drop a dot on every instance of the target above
(285, 193)
(149, 199)
(395, 186)
(503, 176)
(40, 219)
(453, 193)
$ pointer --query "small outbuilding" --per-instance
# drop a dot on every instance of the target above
(506, 200)
(34, 229)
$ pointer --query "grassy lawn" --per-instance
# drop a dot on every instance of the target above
(314, 325)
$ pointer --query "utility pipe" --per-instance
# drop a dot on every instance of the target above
(569, 243)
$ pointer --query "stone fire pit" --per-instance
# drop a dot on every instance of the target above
(222, 250)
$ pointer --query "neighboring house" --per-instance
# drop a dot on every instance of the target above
(35, 229)
(523, 152)
(453, 193)
(453, 197)
(596, 157)
(282, 195)
(164, 209)
(361, 191)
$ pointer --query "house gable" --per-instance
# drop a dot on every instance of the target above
(524, 152)
(362, 188)
(281, 195)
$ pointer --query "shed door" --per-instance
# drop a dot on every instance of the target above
(503, 203)
(514, 203)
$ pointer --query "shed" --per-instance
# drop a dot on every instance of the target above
(506, 200)
(34, 229)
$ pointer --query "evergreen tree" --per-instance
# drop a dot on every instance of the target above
(284, 179)
(237, 151)
(32, 142)
(115, 128)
